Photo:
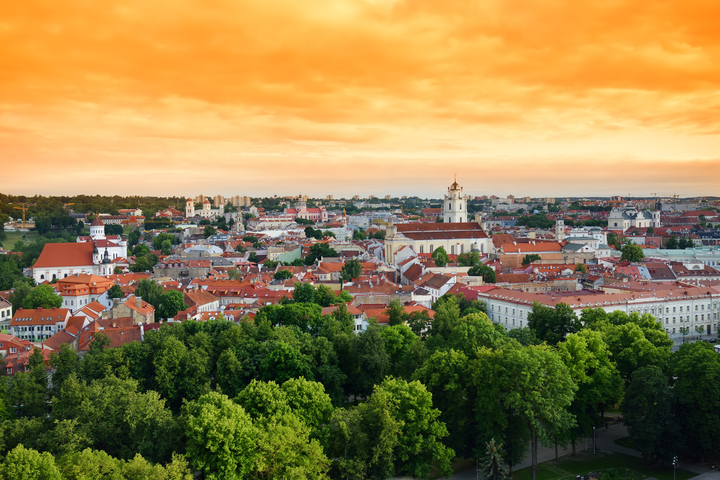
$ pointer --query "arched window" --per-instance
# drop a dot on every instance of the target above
(462, 248)
(42, 277)
(460, 207)
(431, 248)
(421, 249)
(449, 207)
(54, 276)
(452, 249)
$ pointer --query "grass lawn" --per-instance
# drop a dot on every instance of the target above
(586, 462)
(13, 237)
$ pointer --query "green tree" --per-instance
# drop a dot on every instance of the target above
(285, 450)
(484, 271)
(141, 250)
(552, 325)
(672, 243)
(684, 243)
(581, 268)
(318, 251)
(632, 253)
(304, 293)
(420, 448)
(149, 291)
(649, 412)
(696, 368)
(364, 438)
(588, 360)
(530, 258)
(351, 270)
(468, 259)
(166, 247)
(21, 290)
(209, 231)
(284, 362)
(28, 464)
(221, 439)
(118, 419)
(359, 234)
(446, 375)
(115, 292)
(395, 312)
(170, 303)
(493, 467)
(283, 275)
(372, 360)
(42, 296)
(440, 256)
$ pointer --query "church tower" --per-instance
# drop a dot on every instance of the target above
(189, 208)
(455, 205)
(97, 229)
(560, 230)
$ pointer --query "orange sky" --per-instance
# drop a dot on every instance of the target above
(343, 97)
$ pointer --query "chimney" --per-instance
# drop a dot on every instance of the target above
(138, 302)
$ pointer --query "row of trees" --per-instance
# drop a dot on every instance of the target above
(297, 391)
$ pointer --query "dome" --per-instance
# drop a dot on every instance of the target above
(97, 223)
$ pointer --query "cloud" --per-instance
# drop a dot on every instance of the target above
(174, 82)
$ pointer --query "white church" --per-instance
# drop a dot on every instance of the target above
(206, 212)
(92, 254)
(456, 234)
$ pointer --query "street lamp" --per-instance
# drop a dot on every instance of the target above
(675, 464)
(593, 440)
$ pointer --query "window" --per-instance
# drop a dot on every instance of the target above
(680, 309)
(675, 310)
(13, 349)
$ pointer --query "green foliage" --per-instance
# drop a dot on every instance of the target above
(440, 256)
(551, 325)
(581, 267)
(696, 369)
(530, 258)
(649, 412)
(351, 270)
(484, 271)
(144, 263)
(632, 253)
(468, 259)
(115, 292)
(283, 275)
(149, 291)
(42, 296)
(220, 436)
(21, 291)
(672, 243)
(539, 220)
(318, 251)
(209, 231)
(28, 464)
(419, 448)
(170, 303)
(492, 466)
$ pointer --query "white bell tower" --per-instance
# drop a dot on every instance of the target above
(455, 205)
(190, 208)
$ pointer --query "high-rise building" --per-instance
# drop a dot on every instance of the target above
(218, 200)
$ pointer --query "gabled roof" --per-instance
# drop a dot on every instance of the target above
(65, 255)
(39, 316)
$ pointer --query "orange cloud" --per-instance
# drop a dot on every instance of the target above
(386, 94)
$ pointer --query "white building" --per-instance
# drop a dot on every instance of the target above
(629, 216)
(455, 205)
(674, 306)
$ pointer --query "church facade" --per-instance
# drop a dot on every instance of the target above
(91, 255)
(456, 235)
(629, 216)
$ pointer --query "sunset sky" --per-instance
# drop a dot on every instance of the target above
(344, 97)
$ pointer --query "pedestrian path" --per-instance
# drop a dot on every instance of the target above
(605, 442)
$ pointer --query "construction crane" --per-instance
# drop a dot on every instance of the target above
(24, 209)
(65, 205)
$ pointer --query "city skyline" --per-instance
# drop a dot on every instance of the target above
(367, 97)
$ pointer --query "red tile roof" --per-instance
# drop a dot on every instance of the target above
(65, 255)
